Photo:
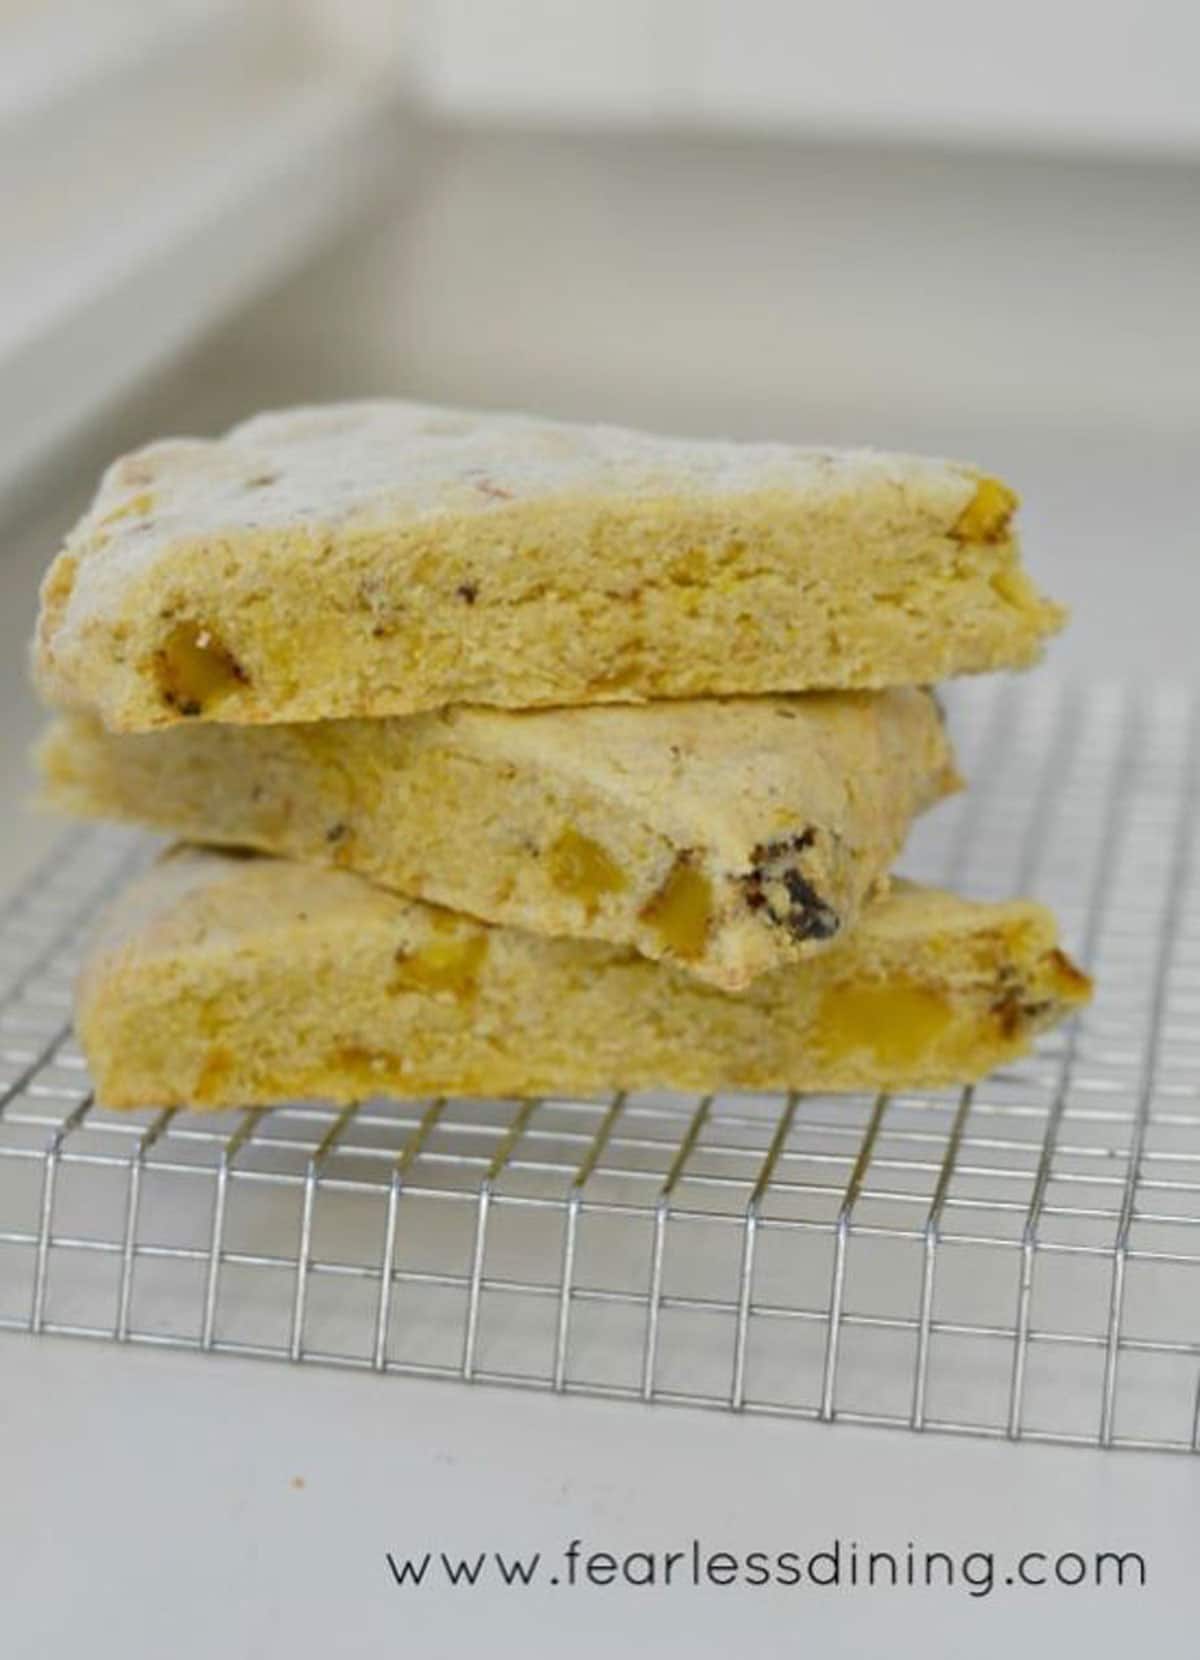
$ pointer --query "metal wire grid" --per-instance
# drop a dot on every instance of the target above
(1019, 1260)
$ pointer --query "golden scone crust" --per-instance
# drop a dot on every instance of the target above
(221, 981)
(384, 558)
(727, 836)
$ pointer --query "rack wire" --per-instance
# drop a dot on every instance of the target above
(1020, 1260)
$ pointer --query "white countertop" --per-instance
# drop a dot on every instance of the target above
(153, 1505)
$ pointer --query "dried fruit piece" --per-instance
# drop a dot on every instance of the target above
(776, 886)
(450, 965)
(681, 910)
(987, 515)
(194, 668)
(1066, 980)
(895, 1021)
(582, 868)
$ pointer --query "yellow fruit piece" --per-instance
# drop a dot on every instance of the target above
(896, 1022)
(986, 516)
(450, 965)
(681, 911)
(581, 868)
(1066, 980)
(194, 668)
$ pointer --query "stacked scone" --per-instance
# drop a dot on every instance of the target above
(579, 759)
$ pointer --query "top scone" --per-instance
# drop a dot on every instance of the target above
(384, 558)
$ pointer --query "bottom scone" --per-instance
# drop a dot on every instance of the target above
(218, 980)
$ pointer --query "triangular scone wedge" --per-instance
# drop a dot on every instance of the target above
(386, 558)
(730, 837)
(218, 981)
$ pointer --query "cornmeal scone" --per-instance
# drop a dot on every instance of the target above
(385, 558)
(223, 981)
(730, 837)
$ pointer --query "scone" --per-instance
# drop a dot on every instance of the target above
(222, 981)
(386, 558)
(728, 836)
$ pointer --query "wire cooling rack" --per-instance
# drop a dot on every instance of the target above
(1019, 1260)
